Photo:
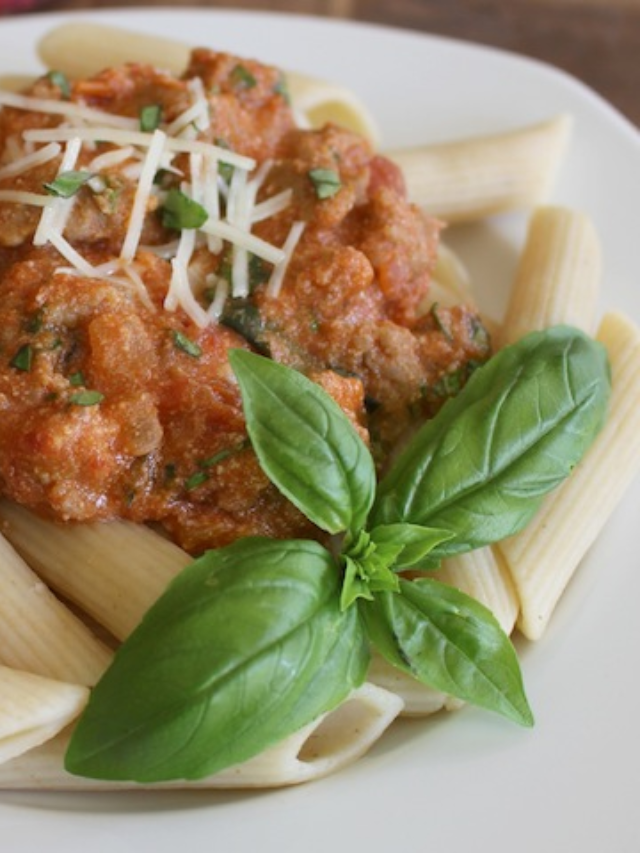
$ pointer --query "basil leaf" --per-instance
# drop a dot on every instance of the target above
(414, 543)
(245, 647)
(326, 182)
(448, 640)
(150, 118)
(185, 344)
(67, 184)
(179, 211)
(306, 444)
(57, 78)
(86, 398)
(481, 467)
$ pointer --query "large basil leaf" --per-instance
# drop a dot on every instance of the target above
(306, 444)
(245, 647)
(481, 467)
(448, 640)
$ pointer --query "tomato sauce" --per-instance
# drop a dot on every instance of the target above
(112, 406)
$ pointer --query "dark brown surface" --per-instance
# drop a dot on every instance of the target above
(598, 41)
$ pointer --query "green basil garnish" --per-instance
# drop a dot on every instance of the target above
(150, 118)
(23, 359)
(86, 398)
(223, 679)
(61, 81)
(179, 211)
(326, 182)
(255, 640)
(185, 344)
(515, 431)
(67, 184)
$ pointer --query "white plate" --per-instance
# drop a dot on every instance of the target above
(468, 781)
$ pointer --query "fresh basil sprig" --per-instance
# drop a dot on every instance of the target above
(255, 640)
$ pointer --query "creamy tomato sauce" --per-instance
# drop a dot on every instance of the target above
(113, 406)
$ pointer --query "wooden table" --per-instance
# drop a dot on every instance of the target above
(597, 41)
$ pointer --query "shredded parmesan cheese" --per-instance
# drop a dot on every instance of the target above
(231, 208)
(143, 192)
(29, 161)
(277, 276)
(55, 214)
(69, 109)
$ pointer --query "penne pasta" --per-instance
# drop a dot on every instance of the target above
(544, 556)
(470, 179)
(113, 571)
(34, 709)
(38, 633)
(483, 575)
(334, 741)
(420, 700)
(558, 275)
(82, 48)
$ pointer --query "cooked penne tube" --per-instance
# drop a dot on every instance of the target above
(420, 700)
(483, 575)
(544, 556)
(334, 741)
(81, 48)
(469, 179)
(113, 571)
(38, 633)
(34, 709)
(558, 275)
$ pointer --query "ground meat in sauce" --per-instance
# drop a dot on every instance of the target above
(111, 406)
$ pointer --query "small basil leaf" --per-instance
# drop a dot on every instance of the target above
(67, 184)
(306, 444)
(368, 569)
(326, 182)
(481, 467)
(245, 647)
(414, 543)
(179, 211)
(448, 640)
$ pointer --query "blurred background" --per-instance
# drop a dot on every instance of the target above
(597, 41)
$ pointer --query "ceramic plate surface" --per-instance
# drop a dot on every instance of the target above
(467, 781)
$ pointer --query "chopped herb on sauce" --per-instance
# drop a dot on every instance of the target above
(67, 184)
(282, 88)
(182, 342)
(23, 359)
(196, 480)
(179, 211)
(242, 77)
(57, 78)
(86, 398)
(326, 182)
(76, 379)
(150, 118)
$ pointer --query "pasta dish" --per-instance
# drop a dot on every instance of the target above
(225, 318)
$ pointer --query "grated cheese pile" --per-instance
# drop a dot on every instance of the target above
(231, 206)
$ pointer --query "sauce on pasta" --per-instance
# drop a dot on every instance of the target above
(116, 397)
